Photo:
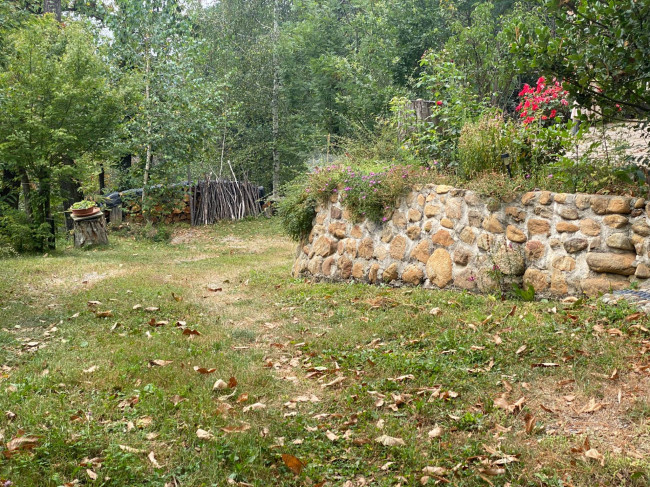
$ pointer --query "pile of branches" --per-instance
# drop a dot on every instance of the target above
(222, 199)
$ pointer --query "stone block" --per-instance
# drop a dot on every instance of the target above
(338, 229)
(619, 241)
(390, 273)
(534, 250)
(323, 246)
(432, 210)
(564, 263)
(412, 275)
(568, 213)
(575, 245)
(421, 251)
(454, 208)
(447, 223)
(439, 268)
(413, 232)
(641, 228)
(462, 256)
(336, 213)
(590, 227)
(515, 234)
(540, 280)
(442, 237)
(492, 224)
(622, 264)
(619, 204)
(539, 227)
(414, 215)
(615, 221)
(398, 247)
(467, 235)
(566, 227)
(366, 248)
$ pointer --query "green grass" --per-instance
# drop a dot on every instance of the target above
(282, 338)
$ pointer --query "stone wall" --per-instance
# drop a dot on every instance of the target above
(442, 237)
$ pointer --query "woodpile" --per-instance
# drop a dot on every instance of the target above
(224, 200)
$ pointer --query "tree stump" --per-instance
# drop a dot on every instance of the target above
(90, 230)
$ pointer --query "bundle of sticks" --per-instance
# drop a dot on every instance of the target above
(222, 199)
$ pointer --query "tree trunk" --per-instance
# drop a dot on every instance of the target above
(70, 193)
(90, 232)
(26, 190)
(10, 189)
(52, 7)
(102, 179)
(275, 105)
(147, 94)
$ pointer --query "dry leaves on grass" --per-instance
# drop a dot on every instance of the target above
(502, 403)
(204, 435)
(203, 370)
(390, 441)
(152, 459)
(293, 463)
(20, 444)
(255, 407)
(159, 363)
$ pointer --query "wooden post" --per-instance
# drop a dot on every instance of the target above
(90, 231)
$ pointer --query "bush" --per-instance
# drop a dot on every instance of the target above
(297, 209)
(19, 234)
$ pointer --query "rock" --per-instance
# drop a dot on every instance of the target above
(565, 227)
(564, 263)
(366, 248)
(472, 199)
(442, 237)
(413, 232)
(454, 208)
(560, 198)
(420, 200)
(590, 227)
(386, 234)
(517, 214)
(421, 251)
(351, 247)
(315, 232)
(462, 256)
(428, 225)
(568, 213)
(492, 224)
(439, 268)
(615, 221)
(465, 279)
(538, 279)
(414, 215)
(528, 197)
(345, 267)
(337, 229)
(485, 241)
(619, 241)
(510, 261)
(432, 210)
(515, 234)
(642, 271)
(543, 212)
(467, 235)
(373, 272)
(398, 247)
(583, 201)
(576, 245)
(618, 204)
(443, 189)
(554, 243)
(390, 274)
(474, 218)
(336, 213)
(399, 220)
(558, 283)
(534, 250)
(447, 223)
(320, 218)
(622, 264)
(328, 264)
(358, 270)
(315, 265)
(539, 227)
(641, 228)
(381, 252)
(323, 246)
(299, 267)
(597, 285)
(639, 203)
(412, 275)
(356, 232)
(545, 198)
(599, 204)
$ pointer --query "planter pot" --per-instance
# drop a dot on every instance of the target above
(85, 212)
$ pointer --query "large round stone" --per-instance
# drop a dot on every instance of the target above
(439, 268)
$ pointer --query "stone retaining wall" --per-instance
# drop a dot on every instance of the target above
(439, 237)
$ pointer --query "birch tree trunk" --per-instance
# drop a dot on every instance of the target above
(147, 95)
(275, 104)
(52, 7)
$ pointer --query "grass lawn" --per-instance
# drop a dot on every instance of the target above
(317, 384)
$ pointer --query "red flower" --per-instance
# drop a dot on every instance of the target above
(439, 103)
(553, 113)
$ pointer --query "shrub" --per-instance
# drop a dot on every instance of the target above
(297, 209)
(20, 234)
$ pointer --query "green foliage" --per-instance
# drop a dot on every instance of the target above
(297, 209)
(524, 294)
(20, 234)
(83, 205)
(599, 49)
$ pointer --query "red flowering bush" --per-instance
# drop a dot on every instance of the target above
(543, 102)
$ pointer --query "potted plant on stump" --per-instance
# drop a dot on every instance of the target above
(84, 208)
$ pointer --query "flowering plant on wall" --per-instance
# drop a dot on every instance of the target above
(543, 102)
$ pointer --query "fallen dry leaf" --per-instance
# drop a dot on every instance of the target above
(390, 441)
(436, 432)
(292, 463)
(219, 384)
(130, 449)
(334, 382)
(152, 459)
(529, 421)
(160, 363)
(91, 474)
(331, 436)
(236, 429)
(255, 407)
(204, 435)
(90, 370)
(440, 471)
(595, 455)
(104, 314)
(203, 370)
